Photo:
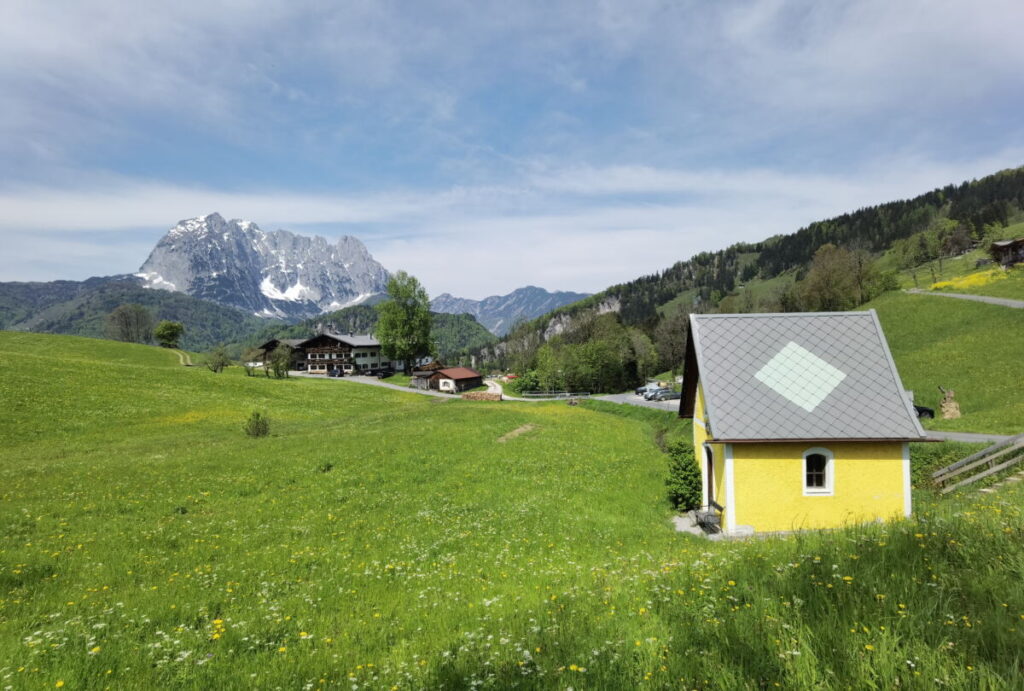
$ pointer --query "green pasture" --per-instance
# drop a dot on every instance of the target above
(971, 347)
(382, 539)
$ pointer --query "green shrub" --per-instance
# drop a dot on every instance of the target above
(258, 425)
(683, 482)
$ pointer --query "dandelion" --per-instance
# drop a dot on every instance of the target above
(95, 650)
(869, 647)
(60, 683)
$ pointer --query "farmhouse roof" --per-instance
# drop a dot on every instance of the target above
(356, 340)
(1008, 243)
(459, 373)
(290, 342)
(796, 377)
(353, 340)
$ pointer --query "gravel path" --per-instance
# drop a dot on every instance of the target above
(1005, 302)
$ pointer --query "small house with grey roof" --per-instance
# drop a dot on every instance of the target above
(800, 421)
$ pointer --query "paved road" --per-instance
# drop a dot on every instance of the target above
(372, 381)
(1005, 302)
(633, 399)
(967, 436)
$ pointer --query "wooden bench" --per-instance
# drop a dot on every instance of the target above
(710, 517)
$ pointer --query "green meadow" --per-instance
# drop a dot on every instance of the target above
(970, 347)
(382, 539)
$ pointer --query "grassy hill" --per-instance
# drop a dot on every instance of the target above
(970, 347)
(379, 539)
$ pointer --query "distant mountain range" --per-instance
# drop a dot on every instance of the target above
(228, 280)
(269, 274)
(499, 313)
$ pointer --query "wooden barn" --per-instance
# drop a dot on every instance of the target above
(1008, 252)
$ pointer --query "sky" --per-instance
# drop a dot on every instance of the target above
(483, 146)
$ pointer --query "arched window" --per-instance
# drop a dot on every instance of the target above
(819, 474)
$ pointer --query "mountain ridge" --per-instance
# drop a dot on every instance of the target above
(267, 273)
(499, 313)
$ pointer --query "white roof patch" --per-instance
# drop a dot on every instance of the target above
(800, 376)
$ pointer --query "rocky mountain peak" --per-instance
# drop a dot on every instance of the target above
(498, 313)
(271, 274)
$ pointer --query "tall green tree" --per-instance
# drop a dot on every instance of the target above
(131, 323)
(403, 327)
(831, 283)
(168, 333)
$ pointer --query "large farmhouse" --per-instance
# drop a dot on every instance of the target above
(327, 351)
(799, 421)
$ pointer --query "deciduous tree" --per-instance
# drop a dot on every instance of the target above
(404, 325)
(168, 333)
(130, 323)
(217, 359)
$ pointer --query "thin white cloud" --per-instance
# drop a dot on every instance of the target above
(575, 228)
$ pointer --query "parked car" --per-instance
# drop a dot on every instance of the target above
(646, 388)
(334, 372)
(667, 396)
(650, 394)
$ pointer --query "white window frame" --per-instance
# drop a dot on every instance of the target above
(830, 473)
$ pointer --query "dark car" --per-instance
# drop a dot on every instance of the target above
(334, 372)
(653, 392)
(385, 372)
(667, 396)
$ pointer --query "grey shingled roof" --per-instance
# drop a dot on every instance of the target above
(821, 375)
(355, 340)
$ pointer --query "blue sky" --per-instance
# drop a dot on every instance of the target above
(484, 146)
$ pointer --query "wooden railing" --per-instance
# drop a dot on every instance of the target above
(978, 466)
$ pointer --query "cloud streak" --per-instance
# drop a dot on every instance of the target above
(580, 228)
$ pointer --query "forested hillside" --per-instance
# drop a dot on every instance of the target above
(828, 265)
(80, 308)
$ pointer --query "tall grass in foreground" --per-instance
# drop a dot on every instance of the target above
(379, 539)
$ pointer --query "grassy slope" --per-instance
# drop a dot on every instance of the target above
(148, 543)
(956, 266)
(970, 347)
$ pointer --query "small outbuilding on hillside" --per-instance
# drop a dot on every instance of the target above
(456, 379)
(799, 420)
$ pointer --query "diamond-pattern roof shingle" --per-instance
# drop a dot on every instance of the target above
(821, 375)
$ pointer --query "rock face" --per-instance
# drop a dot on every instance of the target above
(499, 312)
(270, 274)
